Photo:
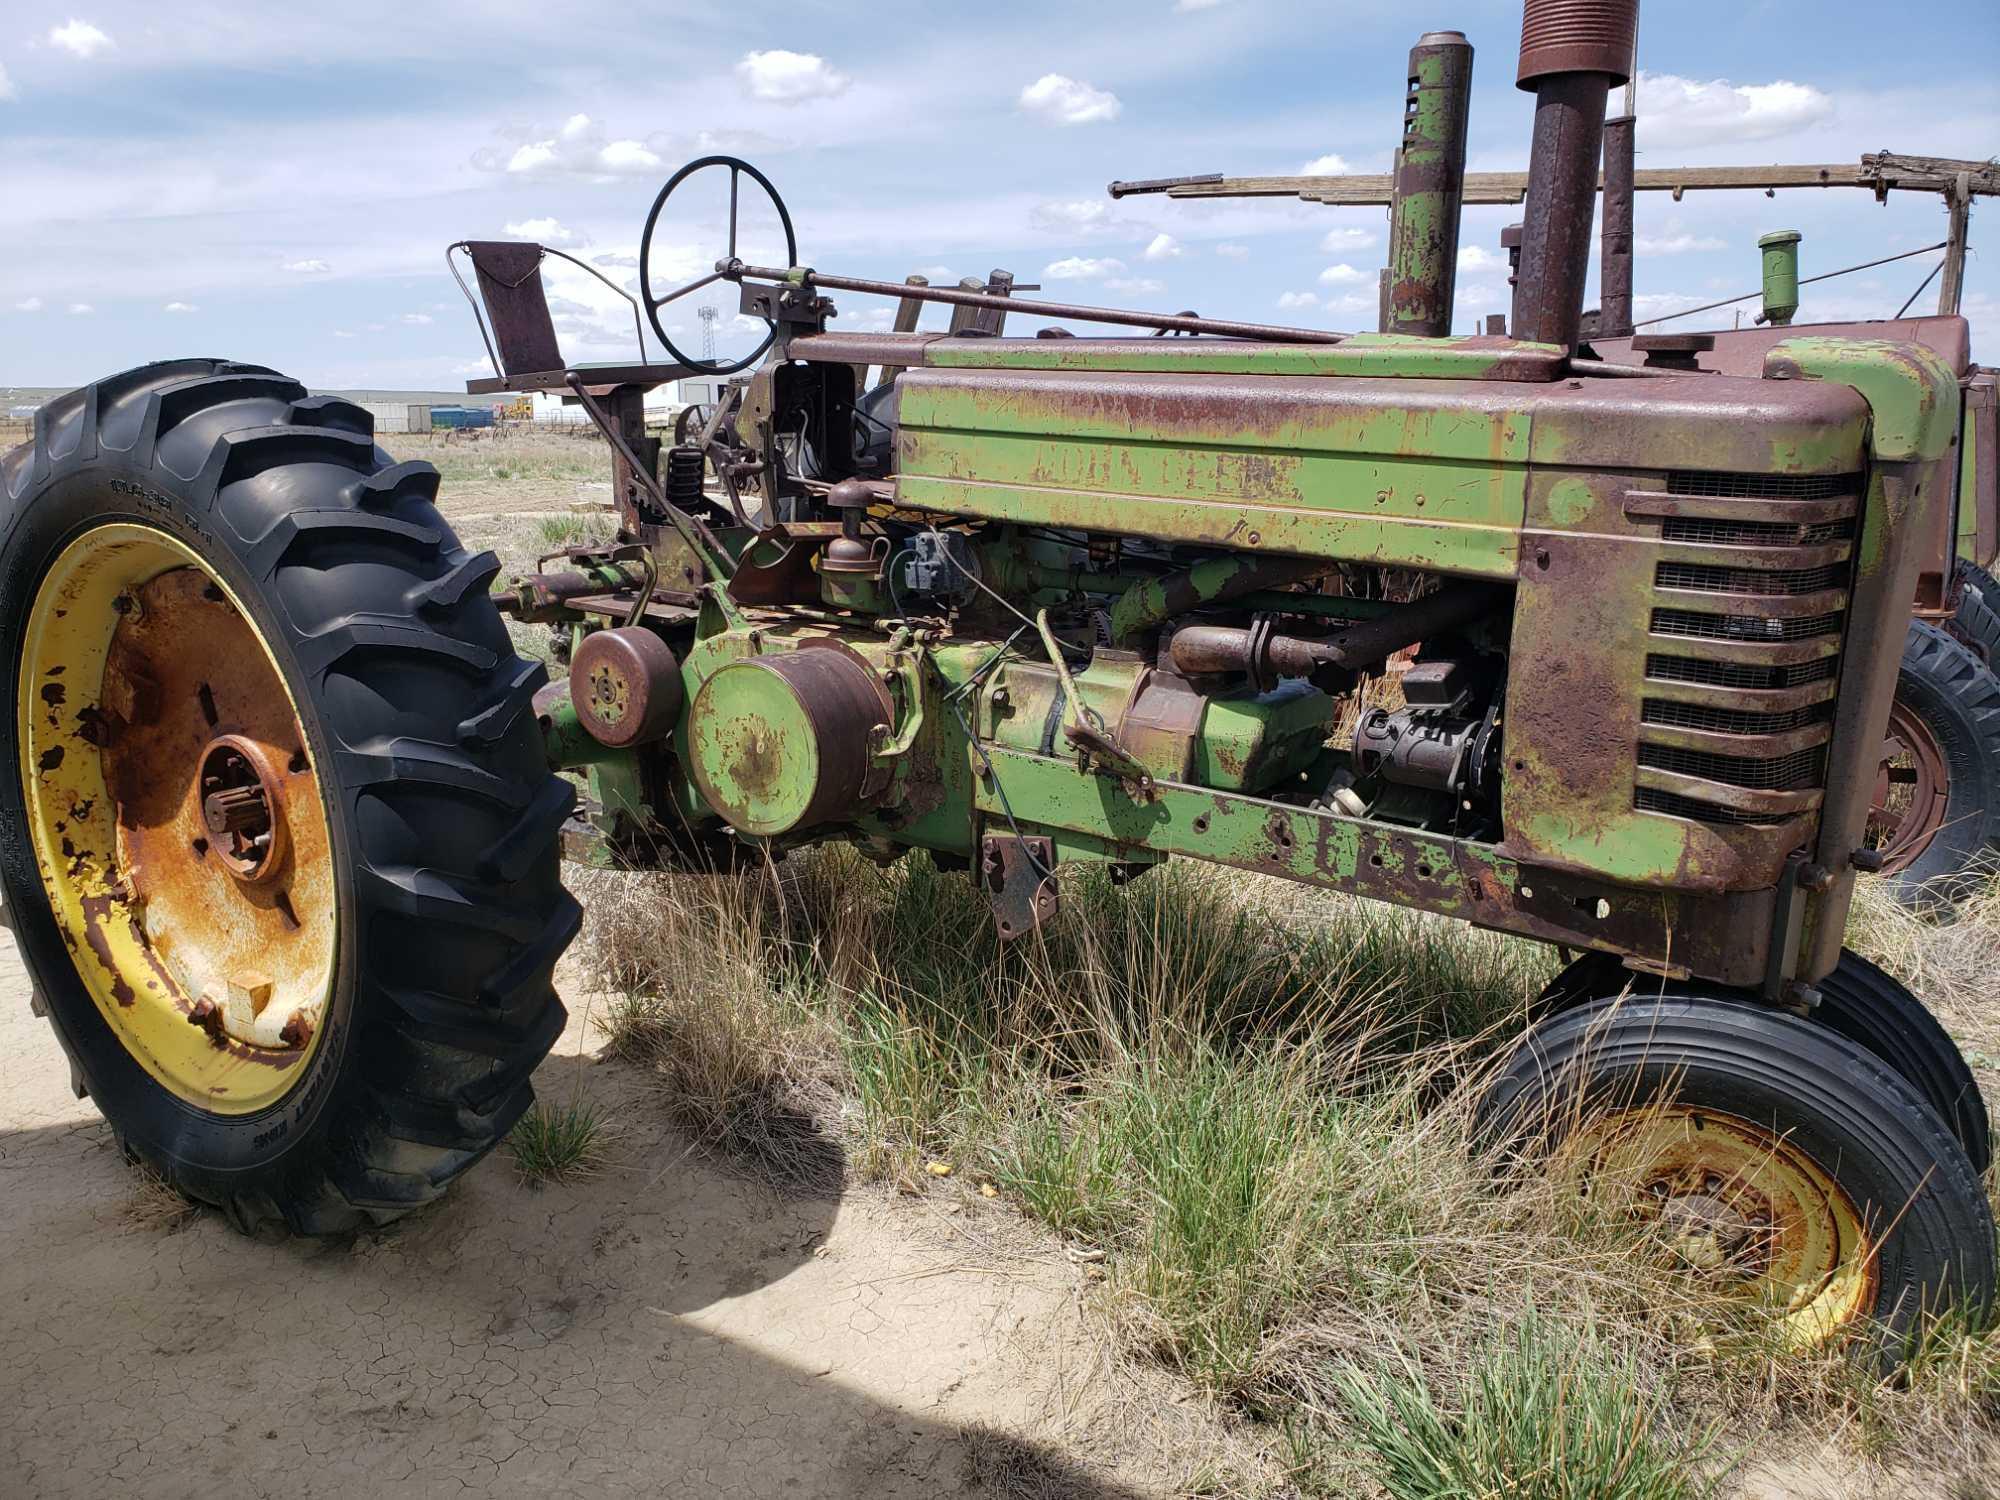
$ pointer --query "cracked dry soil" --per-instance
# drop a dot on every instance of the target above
(666, 1328)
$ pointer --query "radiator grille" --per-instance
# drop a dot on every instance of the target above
(1732, 674)
(1650, 799)
(1787, 581)
(1671, 715)
(1686, 622)
(1707, 532)
(1762, 486)
(1797, 771)
(1751, 746)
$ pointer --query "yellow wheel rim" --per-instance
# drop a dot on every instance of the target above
(1739, 1205)
(177, 819)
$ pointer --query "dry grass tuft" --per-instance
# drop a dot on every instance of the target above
(559, 1143)
(155, 1206)
(1254, 1100)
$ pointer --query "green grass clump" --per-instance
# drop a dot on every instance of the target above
(1543, 1413)
(558, 1143)
(571, 530)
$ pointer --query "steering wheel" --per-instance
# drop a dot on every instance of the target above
(738, 169)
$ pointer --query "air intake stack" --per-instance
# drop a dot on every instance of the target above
(1430, 186)
(1572, 53)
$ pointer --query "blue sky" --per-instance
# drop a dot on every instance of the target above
(277, 183)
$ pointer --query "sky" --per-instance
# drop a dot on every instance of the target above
(278, 184)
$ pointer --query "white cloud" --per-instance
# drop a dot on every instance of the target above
(1137, 286)
(1476, 258)
(7, 89)
(1183, 6)
(582, 148)
(547, 231)
(1336, 240)
(1325, 166)
(1680, 243)
(1293, 301)
(1341, 275)
(417, 319)
(1676, 111)
(180, 307)
(312, 267)
(1065, 101)
(780, 77)
(1075, 215)
(616, 261)
(81, 309)
(29, 304)
(1163, 247)
(342, 333)
(79, 38)
(1083, 268)
(1233, 252)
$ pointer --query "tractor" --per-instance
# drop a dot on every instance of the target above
(284, 811)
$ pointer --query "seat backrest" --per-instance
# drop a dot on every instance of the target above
(510, 284)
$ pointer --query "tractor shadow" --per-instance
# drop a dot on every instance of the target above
(671, 1325)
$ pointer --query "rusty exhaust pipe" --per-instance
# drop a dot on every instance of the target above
(1572, 52)
(1430, 187)
(1614, 276)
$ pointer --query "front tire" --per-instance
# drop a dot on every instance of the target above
(1791, 1164)
(1857, 1001)
(391, 726)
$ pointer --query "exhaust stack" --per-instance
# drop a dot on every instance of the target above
(1430, 187)
(1572, 52)
(1614, 275)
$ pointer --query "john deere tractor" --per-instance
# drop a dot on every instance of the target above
(282, 821)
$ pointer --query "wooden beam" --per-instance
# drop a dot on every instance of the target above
(1879, 172)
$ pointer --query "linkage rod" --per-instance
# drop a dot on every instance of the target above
(1165, 322)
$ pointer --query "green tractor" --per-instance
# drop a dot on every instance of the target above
(282, 822)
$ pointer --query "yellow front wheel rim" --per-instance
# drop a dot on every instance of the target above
(177, 818)
(1744, 1208)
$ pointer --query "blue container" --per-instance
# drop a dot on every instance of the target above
(461, 416)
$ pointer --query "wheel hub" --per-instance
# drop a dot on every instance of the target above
(1737, 1204)
(239, 807)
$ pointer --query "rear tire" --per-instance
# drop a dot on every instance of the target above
(1950, 698)
(1976, 622)
(441, 813)
(1800, 1093)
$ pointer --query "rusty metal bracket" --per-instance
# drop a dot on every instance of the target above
(693, 531)
(1019, 875)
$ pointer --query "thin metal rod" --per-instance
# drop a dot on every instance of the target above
(1920, 288)
(692, 529)
(1167, 322)
(1866, 265)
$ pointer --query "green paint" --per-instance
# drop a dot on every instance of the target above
(1571, 503)
(1912, 394)
(1429, 481)
(1423, 225)
(1781, 275)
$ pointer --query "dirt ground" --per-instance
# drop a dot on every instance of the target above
(666, 1328)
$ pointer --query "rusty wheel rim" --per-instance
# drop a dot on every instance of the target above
(179, 827)
(1745, 1209)
(1912, 788)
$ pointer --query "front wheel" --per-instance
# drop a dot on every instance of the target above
(1781, 1162)
(1935, 817)
(277, 839)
